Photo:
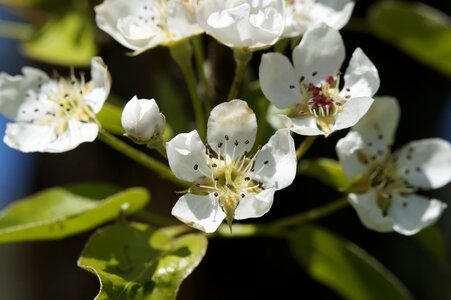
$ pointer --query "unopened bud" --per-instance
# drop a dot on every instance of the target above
(142, 120)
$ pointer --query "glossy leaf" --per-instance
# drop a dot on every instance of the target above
(327, 171)
(64, 40)
(57, 212)
(421, 31)
(344, 267)
(136, 262)
(431, 239)
(110, 118)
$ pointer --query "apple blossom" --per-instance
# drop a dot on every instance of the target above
(249, 24)
(310, 89)
(303, 13)
(52, 115)
(228, 182)
(144, 24)
(387, 199)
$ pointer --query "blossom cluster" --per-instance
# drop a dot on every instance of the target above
(231, 178)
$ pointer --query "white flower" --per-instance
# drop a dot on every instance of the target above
(52, 115)
(228, 181)
(142, 120)
(303, 13)
(144, 24)
(250, 24)
(389, 202)
(310, 88)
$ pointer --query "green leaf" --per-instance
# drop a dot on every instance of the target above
(64, 40)
(135, 262)
(327, 171)
(57, 212)
(110, 118)
(431, 239)
(344, 267)
(421, 31)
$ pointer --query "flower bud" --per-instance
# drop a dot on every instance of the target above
(142, 120)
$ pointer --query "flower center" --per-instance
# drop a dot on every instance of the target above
(57, 102)
(230, 180)
(322, 101)
(384, 177)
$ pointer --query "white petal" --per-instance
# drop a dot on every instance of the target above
(255, 205)
(300, 14)
(369, 213)
(382, 118)
(303, 126)
(319, 54)
(425, 163)
(280, 157)
(347, 151)
(100, 83)
(233, 120)
(185, 151)
(43, 138)
(278, 80)
(14, 89)
(140, 25)
(335, 13)
(361, 77)
(242, 24)
(201, 212)
(413, 213)
(353, 110)
(372, 136)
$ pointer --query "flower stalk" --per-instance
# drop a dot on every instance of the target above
(161, 169)
(182, 53)
(242, 58)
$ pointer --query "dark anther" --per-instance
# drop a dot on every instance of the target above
(243, 195)
(196, 166)
(302, 79)
(236, 143)
(247, 178)
(214, 165)
(219, 144)
(216, 194)
(266, 162)
(314, 73)
(246, 142)
(292, 86)
(226, 137)
(380, 136)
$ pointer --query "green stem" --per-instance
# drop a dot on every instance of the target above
(182, 53)
(278, 228)
(309, 216)
(242, 58)
(199, 57)
(304, 146)
(140, 157)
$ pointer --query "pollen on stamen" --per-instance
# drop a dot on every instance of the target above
(219, 144)
(236, 143)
